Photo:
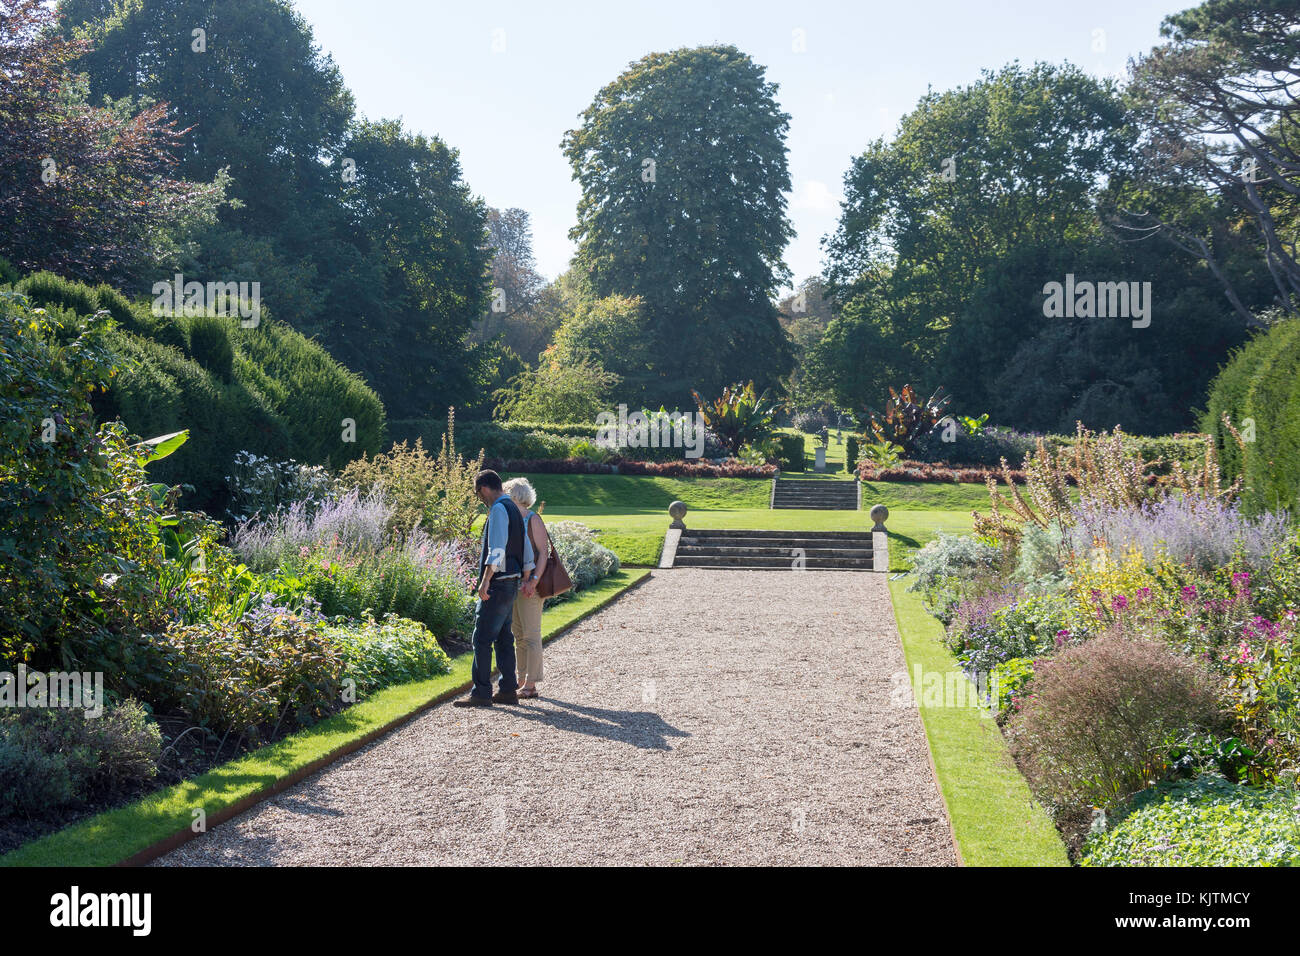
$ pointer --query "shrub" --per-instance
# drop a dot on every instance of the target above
(1101, 718)
(259, 485)
(209, 345)
(1205, 821)
(158, 390)
(393, 650)
(985, 449)
(986, 632)
(47, 289)
(77, 548)
(811, 422)
(345, 556)
(1260, 385)
(790, 452)
(435, 493)
(947, 565)
(51, 757)
(739, 416)
(332, 415)
(1008, 680)
(1197, 532)
(585, 560)
(271, 668)
(851, 453)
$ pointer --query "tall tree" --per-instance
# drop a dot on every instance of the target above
(261, 100)
(682, 164)
(516, 284)
(92, 193)
(1221, 104)
(416, 278)
(1013, 160)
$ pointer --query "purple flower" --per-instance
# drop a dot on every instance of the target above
(1119, 602)
(1189, 593)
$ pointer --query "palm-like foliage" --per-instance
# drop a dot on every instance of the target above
(905, 419)
(738, 417)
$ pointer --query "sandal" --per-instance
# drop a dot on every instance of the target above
(526, 694)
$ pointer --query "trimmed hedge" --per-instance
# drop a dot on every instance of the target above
(851, 453)
(789, 452)
(1261, 384)
(268, 390)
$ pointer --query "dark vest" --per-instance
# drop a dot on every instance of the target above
(514, 563)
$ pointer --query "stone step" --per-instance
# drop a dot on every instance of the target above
(817, 506)
(774, 563)
(744, 533)
(774, 551)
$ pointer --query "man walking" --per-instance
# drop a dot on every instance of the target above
(505, 557)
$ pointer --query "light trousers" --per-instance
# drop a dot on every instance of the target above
(527, 625)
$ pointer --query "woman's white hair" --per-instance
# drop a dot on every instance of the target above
(521, 492)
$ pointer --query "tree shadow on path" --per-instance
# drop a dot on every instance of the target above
(640, 728)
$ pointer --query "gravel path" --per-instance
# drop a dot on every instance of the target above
(706, 717)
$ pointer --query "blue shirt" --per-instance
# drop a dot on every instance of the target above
(498, 533)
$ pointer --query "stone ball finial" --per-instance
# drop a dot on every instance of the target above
(878, 514)
(677, 510)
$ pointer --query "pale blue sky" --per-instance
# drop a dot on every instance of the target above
(864, 65)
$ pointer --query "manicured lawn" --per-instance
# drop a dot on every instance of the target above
(629, 513)
(995, 817)
(834, 454)
(115, 835)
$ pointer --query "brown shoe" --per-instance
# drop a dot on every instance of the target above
(472, 701)
(501, 697)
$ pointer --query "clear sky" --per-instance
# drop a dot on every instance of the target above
(502, 81)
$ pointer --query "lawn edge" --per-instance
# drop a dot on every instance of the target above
(980, 836)
(53, 849)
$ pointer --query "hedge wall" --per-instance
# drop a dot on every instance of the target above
(1261, 383)
(267, 390)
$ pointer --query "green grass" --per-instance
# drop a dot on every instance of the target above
(994, 815)
(834, 454)
(115, 835)
(995, 818)
(629, 513)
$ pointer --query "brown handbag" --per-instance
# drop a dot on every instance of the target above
(554, 578)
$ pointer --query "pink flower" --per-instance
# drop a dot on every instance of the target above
(1141, 594)
(1241, 579)
(1189, 593)
(1119, 602)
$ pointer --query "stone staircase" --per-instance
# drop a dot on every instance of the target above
(778, 550)
(828, 494)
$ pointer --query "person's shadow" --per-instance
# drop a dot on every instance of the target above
(640, 728)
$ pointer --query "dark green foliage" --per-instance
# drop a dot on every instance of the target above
(701, 240)
(789, 452)
(45, 289)
(77, 552)
(209, 345)
(311, 392)
(157, 390)
(8, 274)
(267, 389)
(851, 453)
(51, 758)
(1259, 390)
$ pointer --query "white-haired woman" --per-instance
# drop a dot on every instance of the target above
(527, 621)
